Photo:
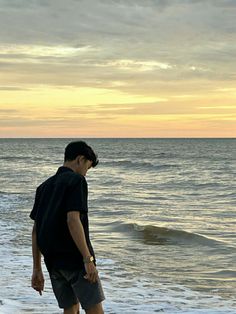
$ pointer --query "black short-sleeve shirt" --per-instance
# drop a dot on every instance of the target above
(65, 191)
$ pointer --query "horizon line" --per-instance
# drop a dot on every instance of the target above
(15, 138)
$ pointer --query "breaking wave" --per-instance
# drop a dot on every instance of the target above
(155, 235)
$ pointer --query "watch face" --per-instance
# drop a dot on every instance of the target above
(89, 259)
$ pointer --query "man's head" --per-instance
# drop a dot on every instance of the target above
(80, 157)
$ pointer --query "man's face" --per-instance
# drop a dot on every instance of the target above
(83, 165)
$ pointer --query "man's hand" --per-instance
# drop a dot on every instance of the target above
(37, 281)
(91, 272)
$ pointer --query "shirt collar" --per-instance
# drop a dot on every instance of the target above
(63, 169)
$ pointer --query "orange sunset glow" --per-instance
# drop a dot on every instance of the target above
(117, 69)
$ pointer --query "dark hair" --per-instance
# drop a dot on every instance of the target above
(77, 148)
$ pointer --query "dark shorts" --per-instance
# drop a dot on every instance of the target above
(70, 287)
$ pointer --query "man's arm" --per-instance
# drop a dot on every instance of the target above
(37, 281)
(77, 232)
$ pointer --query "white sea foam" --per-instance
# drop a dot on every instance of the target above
(132, 300)
(9, 306)
(139, 298)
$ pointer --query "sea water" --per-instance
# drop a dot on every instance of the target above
(162, 223)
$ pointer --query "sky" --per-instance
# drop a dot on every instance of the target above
(117, 68)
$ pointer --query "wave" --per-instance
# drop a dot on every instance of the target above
(13, 158)
(208, 185)
(10, 193)
(166, 155)
(138, 165)
(151, 234)
(226, 273)
(25, 158)
(157, 155)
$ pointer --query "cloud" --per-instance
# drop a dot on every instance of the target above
(100, 23)
(156, 109)
(118, 44)
(12, 88)
(137, 65)
(8, 111)
(118, 25)
(38, 51)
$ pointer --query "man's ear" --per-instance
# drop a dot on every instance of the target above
(79, 158)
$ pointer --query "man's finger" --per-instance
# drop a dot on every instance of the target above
(94, 277)
(91, 277)
(38, 288)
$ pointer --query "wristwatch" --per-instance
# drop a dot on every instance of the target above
(88, 259)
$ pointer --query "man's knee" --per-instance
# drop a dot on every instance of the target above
(72, 310)
(96, 309)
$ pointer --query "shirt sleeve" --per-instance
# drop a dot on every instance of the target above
(77, 196)
(35, 207)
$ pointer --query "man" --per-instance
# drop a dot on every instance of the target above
(61, 234)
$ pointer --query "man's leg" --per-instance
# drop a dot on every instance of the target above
(96, 309)
(72, 310)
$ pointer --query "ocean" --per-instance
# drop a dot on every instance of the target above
(162, 223)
